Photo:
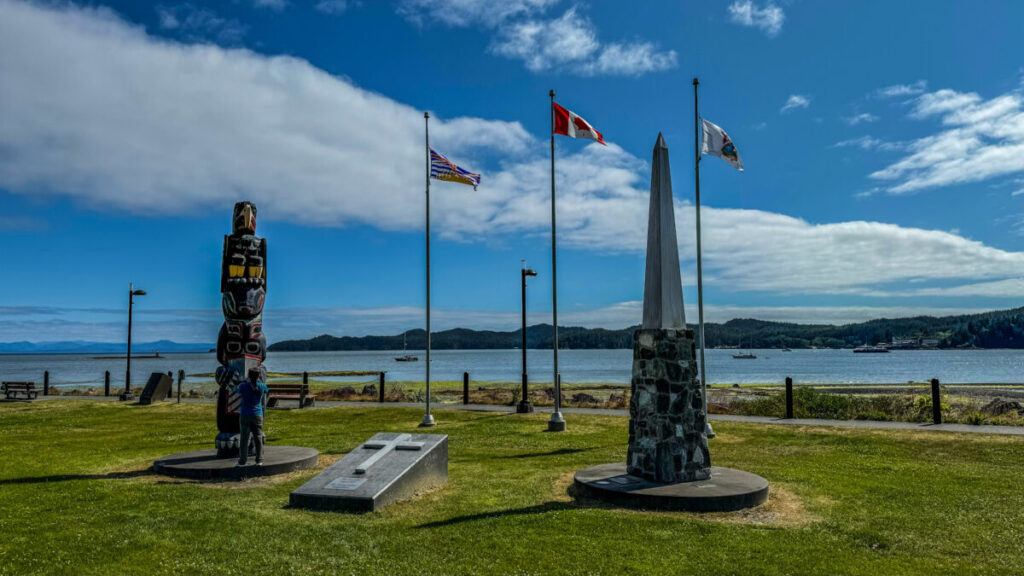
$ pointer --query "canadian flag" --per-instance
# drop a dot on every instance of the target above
(569, 124)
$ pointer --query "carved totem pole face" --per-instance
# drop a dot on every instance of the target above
(244, 219)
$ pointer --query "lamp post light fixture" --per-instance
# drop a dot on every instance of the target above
(132, 293)
(524, 406)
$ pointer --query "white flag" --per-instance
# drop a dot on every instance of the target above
(717, 143)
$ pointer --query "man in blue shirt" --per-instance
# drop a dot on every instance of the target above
(250, 416)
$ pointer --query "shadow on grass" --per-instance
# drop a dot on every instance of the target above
(559, 452)
(69, 477)
(526, 511)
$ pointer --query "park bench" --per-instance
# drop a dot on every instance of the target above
(298, 392)
(28, 389)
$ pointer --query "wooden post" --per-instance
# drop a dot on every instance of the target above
(106, 383)
(181, 377)
(46, 383)
(465, 387)
(789, 397)
(936, 402)
(381, 391)
(302, 391)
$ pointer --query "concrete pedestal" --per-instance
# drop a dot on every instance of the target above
(206, 465)
(725, 490)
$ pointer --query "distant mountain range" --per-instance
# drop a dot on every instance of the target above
(85, 347)
(999, 329)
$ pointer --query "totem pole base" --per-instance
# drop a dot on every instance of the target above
(227, 445)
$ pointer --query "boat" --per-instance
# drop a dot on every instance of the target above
(866, 349)
(744, 355)
(405, 348)
(787, 349)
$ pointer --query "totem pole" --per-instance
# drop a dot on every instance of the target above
(241, 345)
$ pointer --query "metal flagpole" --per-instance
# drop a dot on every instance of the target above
(557, 422)
(428, 419)
(700, 273)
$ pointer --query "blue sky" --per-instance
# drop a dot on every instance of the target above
(883, 146)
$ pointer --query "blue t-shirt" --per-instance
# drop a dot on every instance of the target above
(252, 398)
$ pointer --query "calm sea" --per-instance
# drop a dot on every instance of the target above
(613, 366)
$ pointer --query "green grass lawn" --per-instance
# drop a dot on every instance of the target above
(77, 498)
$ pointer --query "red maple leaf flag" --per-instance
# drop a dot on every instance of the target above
(569, 124)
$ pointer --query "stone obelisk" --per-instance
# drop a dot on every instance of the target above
(667, 441)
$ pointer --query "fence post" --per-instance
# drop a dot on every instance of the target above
(936, 402)
(302, 391)
(465, 387)
(789, 397)
(381, 391)
(106, 383)
(181, 377)
(46, 383)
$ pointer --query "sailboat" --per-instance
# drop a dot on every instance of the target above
(405, 348)
(744, 355)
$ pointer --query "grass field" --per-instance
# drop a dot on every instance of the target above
(77, 498)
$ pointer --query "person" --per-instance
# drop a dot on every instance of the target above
(250, 416)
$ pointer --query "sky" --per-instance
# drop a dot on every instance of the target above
(883, 146)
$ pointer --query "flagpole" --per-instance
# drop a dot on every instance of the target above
(700, 273)
(557, 422)
(428, 419)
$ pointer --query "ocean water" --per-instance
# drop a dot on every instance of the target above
(611, 366)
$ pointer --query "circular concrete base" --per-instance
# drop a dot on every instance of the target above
(727, 490)
(204, 464)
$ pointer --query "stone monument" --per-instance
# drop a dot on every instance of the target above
(667, 461)
(241, 345)
(387, 468)
(157, 388)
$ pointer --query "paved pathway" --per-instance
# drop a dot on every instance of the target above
(862, 424)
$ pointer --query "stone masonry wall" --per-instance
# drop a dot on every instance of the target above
(667, 442)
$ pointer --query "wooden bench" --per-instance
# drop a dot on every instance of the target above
(298, 392)
(15, 388)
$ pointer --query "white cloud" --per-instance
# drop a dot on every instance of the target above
(277, 5)
(981, 139)
(202, 127)
(794, 102)
(901, 90)
(465, 13)
(863, 117)
(869, 143)
(569, 43)
(768, 18)
(194, 24)
(333, 7)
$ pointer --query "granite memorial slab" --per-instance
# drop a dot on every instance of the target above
(157, 388)
(387, 468)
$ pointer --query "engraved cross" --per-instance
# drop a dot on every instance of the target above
(384, 447)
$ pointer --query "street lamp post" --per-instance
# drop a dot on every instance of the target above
(524, 405)
(128, 367)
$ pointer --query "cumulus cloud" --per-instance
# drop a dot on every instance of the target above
(768, 18)
(202, 126)
(568, 43)
(277, 5)
(981, 139)
(795, 102)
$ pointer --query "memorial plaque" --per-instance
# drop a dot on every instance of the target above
(387, 468)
